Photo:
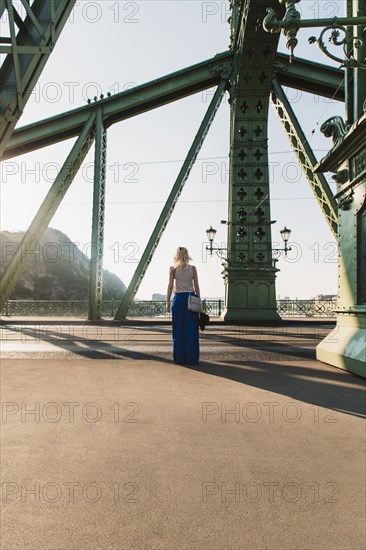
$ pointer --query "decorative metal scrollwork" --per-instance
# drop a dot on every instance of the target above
(291, 23)
(350, 45)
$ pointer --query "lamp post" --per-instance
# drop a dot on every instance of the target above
(221, 252)
(211, 233)
(285, 234)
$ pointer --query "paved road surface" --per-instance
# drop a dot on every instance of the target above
(106, 444)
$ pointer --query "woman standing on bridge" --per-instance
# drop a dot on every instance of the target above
(183, 279)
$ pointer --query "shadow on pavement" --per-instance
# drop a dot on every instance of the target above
(324, 386)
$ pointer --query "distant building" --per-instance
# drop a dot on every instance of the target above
(325, 297)
(158, 297)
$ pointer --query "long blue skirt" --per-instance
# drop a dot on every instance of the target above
(185, 331)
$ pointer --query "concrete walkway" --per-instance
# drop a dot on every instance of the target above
(106, 444)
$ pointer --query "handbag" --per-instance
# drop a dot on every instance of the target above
(194, 303)
(203, 320)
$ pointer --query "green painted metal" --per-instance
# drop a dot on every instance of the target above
(96, 259)
(303, 75)
(170, 203)
(122, 106)
(249, 65)
(307, 76)
(2, 7)
(305, 156)
(28, 53)
(250, 272)
(360, 54)
(47, 210)
(345, 346)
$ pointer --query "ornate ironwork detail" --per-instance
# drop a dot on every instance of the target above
(341, 176)
(241, 213)
(244, 107)
(291, 24)
(258, 131)
(260, 256)
(359, 164)
(258, 174)
(260, 233)
(241, 193)
(349, 45)
(242, 131)
(242, 174)
(335, 128)
(259, 193)
(241, 233)
(223, 69)
(242, 154)
(258, 154)
(146, 308)
(345, 202)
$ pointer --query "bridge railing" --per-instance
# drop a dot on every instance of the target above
(153, 308)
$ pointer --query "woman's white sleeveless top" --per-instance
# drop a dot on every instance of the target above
(183, 279)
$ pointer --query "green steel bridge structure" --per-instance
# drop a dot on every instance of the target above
(253, 73)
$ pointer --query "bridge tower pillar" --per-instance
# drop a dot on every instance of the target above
(250, 271)
(345, 346)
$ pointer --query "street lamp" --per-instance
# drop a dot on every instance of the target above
(285, 234)
(211, 233)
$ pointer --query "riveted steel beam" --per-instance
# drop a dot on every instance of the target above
(170, 203)
(304, 75)
(124, 105)
(97, 241)
(305, 155)
(46, 212)
(31, 42)
(307, 76)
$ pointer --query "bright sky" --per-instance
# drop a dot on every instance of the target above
(110, 46)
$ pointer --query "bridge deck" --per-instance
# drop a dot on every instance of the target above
(130, 451)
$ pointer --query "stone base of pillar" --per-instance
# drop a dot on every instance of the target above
(345, 345)
(250, 294)
(247, 314)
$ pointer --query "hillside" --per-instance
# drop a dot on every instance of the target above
(58, 271)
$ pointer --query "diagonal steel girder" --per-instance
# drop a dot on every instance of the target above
(31, 238)
(28, 49)
(305, 155)
(305, 75)
(170, 203)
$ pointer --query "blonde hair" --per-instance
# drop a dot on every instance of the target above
(181, 258)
